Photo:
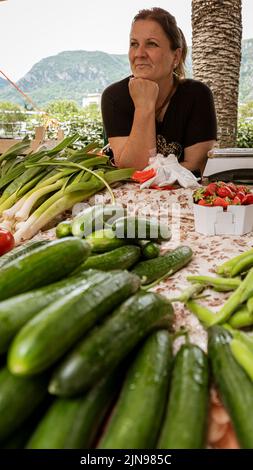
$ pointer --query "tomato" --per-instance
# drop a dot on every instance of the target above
(144, 175)
(7, 241)
(167, 186)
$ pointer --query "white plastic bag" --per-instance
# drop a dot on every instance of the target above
(169, 171)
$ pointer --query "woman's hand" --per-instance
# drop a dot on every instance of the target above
(143, 92)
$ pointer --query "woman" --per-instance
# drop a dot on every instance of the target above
(157, 110)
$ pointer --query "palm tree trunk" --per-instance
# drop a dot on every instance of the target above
(216, 58)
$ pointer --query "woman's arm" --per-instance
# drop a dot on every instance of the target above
(136, 149)
(195, 156)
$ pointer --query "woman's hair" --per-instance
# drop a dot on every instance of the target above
(173, 33)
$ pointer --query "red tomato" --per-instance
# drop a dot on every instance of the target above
(7, 241)
(142, 176)
(161, 188)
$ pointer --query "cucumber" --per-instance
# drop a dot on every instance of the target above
(104, 240)
(19, 397)
(132, 227)
(16, 311)
(49, 335)
(149, 249)
(108, 344)
(93, 218)
(137, 416)
(186, 417)
(169, 263)
(19, 438)
(64, 229)
(73, 423)
(21, 250)
(235, 387)
(42, 266)
(120, 258)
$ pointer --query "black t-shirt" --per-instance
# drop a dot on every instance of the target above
(190, 117)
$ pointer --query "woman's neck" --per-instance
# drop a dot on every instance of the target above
(166, 92)
(166, 88)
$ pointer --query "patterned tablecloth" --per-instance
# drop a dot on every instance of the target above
(176, 207)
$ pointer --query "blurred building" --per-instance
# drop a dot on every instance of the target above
(91, 98)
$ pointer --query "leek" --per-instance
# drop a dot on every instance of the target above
(63, 200)
(24, 211)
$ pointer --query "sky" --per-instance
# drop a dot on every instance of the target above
(34, 29)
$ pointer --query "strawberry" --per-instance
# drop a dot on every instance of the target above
(204, 202)
(248, 199)
(210, 190)
(219, 201)
(198, 194)
(241, 195)
(243, 188)
(232, 186)
(225, 191)
(236, 201)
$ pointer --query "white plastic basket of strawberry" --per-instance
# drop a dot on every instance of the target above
(223, 194)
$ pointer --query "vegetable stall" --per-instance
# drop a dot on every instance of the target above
(106, 335)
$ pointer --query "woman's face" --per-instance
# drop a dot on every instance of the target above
(150, 52)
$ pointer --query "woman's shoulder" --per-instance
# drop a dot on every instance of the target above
(116, 89)
(194, 87)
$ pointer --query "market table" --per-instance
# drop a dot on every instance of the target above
(176, 206)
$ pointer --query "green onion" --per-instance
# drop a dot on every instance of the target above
(226, 268)
(204, 315)
(241, 318)
(220, 283)
(239, 296)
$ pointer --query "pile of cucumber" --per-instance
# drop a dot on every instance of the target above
(69, 338)
(86, 358)
(120, 241)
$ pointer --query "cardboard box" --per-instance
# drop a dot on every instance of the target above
(236, 220)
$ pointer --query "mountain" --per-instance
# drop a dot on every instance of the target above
(246, 74)
(3, 83)
(71, 74)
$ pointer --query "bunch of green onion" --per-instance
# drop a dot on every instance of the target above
(38, 187)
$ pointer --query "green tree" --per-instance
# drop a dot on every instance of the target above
(245, 134)
(62, 109)
(10, 117)
(246, 110)
(86, 121)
